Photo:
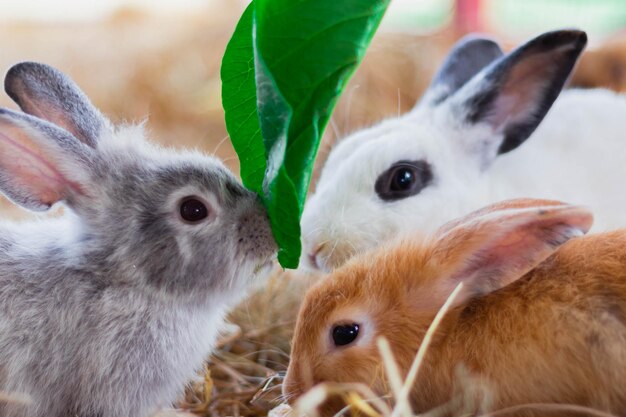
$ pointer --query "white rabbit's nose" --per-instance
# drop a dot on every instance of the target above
(314, 260)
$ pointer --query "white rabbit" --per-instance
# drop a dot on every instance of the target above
(108, 310)
(459, 149)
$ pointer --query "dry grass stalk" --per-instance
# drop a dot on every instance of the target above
(355, 395)
(403, 405)
(391, 367)
(549, 408)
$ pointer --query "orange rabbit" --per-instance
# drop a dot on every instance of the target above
(531, 325)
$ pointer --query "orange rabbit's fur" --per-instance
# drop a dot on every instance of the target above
(552, 334)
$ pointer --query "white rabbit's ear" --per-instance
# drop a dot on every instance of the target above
(47, 93)
(40, 164)
(467, 58)
(492, 248)
(512, 95)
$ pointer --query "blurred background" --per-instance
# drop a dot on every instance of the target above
(159, 60)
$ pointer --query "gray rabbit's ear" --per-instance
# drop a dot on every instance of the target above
(47, 93)
(468, 57)
(40, 163)
(513, 94)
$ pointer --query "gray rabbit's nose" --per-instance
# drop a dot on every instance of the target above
(255, 234)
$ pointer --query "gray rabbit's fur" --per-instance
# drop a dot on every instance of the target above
(109, 309)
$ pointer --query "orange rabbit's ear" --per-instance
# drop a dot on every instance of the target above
(492, 248)
(499, 207)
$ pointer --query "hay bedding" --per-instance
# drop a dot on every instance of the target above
(244, 375)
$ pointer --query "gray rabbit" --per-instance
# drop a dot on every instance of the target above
(109, 309)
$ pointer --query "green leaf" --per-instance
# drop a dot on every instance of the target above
(282, 74)
(240, 103)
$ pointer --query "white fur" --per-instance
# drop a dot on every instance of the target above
(577, 154)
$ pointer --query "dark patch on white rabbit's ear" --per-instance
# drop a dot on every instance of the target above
(514, 93)
(467, 58)
(47, 93)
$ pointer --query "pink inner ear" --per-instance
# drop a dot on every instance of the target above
(39, 109)
(496, 249)
(507, 258)
(521, 93)
(31, 168)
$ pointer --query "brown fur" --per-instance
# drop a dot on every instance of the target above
(555, 334)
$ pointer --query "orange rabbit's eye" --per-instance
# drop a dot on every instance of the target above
(345, 334)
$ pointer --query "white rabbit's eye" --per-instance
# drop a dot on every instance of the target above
(345, 334)
(403, 179)
(193, 210)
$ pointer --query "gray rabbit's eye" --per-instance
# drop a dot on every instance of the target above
(403, 179)
(193, 210)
